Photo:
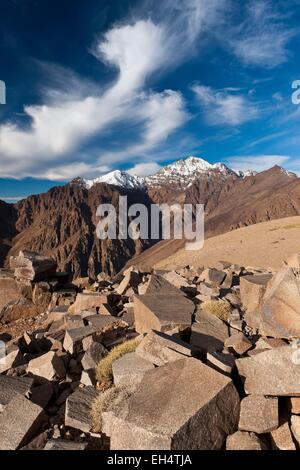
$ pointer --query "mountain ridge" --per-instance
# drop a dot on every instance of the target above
(181, 173)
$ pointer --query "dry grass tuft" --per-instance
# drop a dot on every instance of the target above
(104, 367)
(219, 308)
(104, 402)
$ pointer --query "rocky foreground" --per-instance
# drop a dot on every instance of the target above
(180, 360)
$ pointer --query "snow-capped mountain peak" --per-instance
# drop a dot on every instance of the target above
(180, 174)
(117, 178)
(185, 172)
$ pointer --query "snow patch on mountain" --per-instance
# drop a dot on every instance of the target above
(117, 178)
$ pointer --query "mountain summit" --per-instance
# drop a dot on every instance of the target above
(117, 178)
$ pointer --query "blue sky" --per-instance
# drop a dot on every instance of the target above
(98, 85)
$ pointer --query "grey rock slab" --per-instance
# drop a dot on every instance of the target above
(272, 373)
(162, 313)
(78, 409)
(182, 405)
(20, 422)
(259, 414)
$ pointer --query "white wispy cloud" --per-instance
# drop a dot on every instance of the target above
(71, 115)
(12, 199)
(144, 169)
(262, 38)
(225, 106)
(256, 162)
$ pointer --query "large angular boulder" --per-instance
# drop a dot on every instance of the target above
(20, 422)
(90, 301)
(32, 266)
(259, 414)
(279, 315)
(252, 289)
(272, 373)
(48, 366)
(158, 285)
(212, 276)
(162, 313)
(183, 405)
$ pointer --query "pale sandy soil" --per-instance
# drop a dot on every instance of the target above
(263, 245)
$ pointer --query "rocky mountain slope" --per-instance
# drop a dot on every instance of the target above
(232, 204)
(267, 244)
(62, 222)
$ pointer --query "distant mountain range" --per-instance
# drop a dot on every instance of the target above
(62, 222)
(181, 173)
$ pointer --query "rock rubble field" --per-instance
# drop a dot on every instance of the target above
(190, 359)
